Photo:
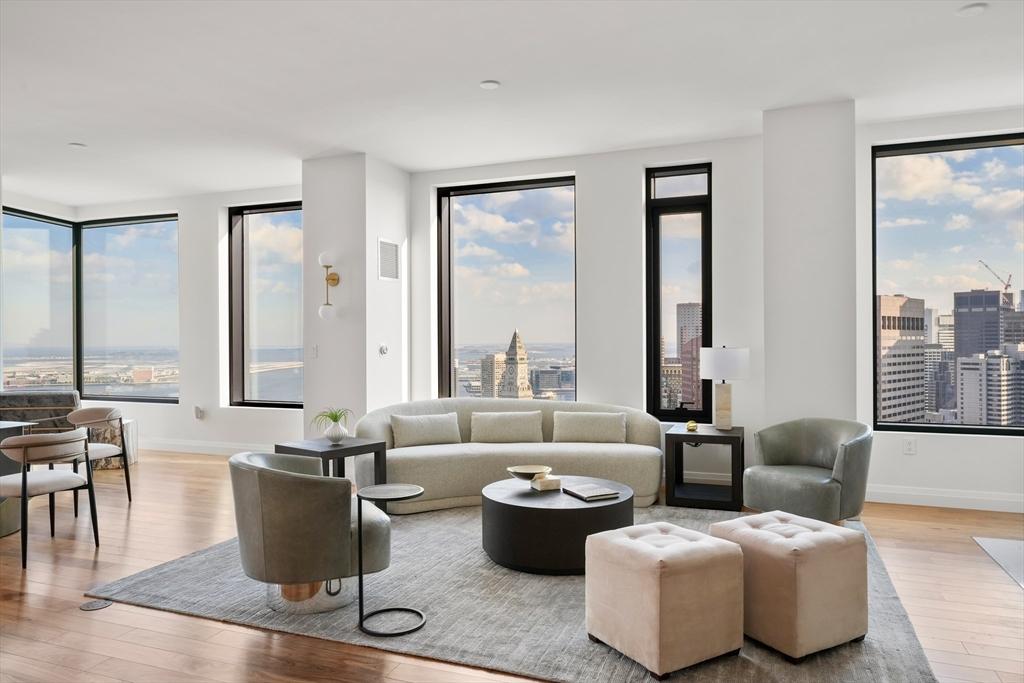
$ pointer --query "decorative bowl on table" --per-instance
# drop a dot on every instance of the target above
(529, 472)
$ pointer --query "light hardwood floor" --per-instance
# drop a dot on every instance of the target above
(968, 613)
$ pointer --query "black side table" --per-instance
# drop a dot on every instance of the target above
(382, 494)
(680, 493)
(337, 452)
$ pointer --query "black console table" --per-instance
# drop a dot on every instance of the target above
(681, 493)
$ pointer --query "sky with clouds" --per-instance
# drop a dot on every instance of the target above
(938, 214)
(37, 297)
(130, 286)
(514, 266)
(130, 283)
(274, 275)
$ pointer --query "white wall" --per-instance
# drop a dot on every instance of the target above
(14, 200)
(334, 219)
(610, 298)
(202, 301)
(984, 472)
(349, 202)
(809, 283)
(387, 217)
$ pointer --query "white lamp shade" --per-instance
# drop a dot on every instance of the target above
(326, 311)
(326, 258)
(724, 363)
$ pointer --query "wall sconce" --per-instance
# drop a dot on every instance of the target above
(327, 310)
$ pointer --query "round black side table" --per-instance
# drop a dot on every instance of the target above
(384, 493)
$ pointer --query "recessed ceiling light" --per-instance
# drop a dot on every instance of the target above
(972, 9)
(490, 85)
(77, 144)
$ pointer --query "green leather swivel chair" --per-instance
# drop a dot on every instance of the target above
(812, 467)
(297, 531)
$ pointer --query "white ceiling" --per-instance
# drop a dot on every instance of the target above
(189, 97)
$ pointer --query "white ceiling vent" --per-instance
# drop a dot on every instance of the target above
(387, 260)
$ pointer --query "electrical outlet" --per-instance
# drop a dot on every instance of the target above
(316, 351)
(909, 446)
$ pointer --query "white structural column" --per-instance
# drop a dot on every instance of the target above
(349, 202)
(809, 265)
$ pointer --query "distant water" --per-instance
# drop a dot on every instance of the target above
(470, 352)
(276, 385)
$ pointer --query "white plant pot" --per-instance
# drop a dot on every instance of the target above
(336, 432)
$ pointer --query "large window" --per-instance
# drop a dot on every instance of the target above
(678, 291)
(266, 305)
(130, 308)
(507, 290)
(90, 306)
(37, 296)
(949, 252)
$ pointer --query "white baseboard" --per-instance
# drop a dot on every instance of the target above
(202, 447)
(947, 498)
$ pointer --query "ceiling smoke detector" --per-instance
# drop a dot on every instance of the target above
(490, 85)
(77, 144)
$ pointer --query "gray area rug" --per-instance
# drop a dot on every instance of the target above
(1008, 553)
(487, 616)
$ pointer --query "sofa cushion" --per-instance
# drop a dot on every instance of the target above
(518, 427)
(423, 430)
(589, 427)
(459, 470)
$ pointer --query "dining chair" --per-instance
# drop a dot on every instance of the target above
(47, 449)
(96, 418)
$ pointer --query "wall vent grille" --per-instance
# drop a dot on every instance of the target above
(387, 260)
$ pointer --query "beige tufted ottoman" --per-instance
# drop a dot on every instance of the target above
(664, 596)
(805, 581)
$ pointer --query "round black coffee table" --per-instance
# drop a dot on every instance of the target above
(384, 493)
(545, 532)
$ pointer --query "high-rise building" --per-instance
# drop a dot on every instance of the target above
(940, 378)
(990, 387)
(979, 318)
(671, 383)
(1013, 328)
(946, 334)
(689, 330)
(515, 380)
(492, 369)
(901, 394)
(931, 326)
(546, 378)
(1020, 301)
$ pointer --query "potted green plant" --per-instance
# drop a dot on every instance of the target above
(330, 420)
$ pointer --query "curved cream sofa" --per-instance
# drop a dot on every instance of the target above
(453, 474)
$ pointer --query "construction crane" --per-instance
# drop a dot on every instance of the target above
(1006, 282)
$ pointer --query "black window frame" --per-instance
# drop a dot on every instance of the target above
(445, 352)
(655, 208)
(902, 149)
(236, 302)
(77, 360)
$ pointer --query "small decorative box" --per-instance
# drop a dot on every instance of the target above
(548, 483)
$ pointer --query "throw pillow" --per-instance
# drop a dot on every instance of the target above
(517, 427)
(590, 427)
(423, 430)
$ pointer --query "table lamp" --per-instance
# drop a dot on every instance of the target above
(721, 363)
